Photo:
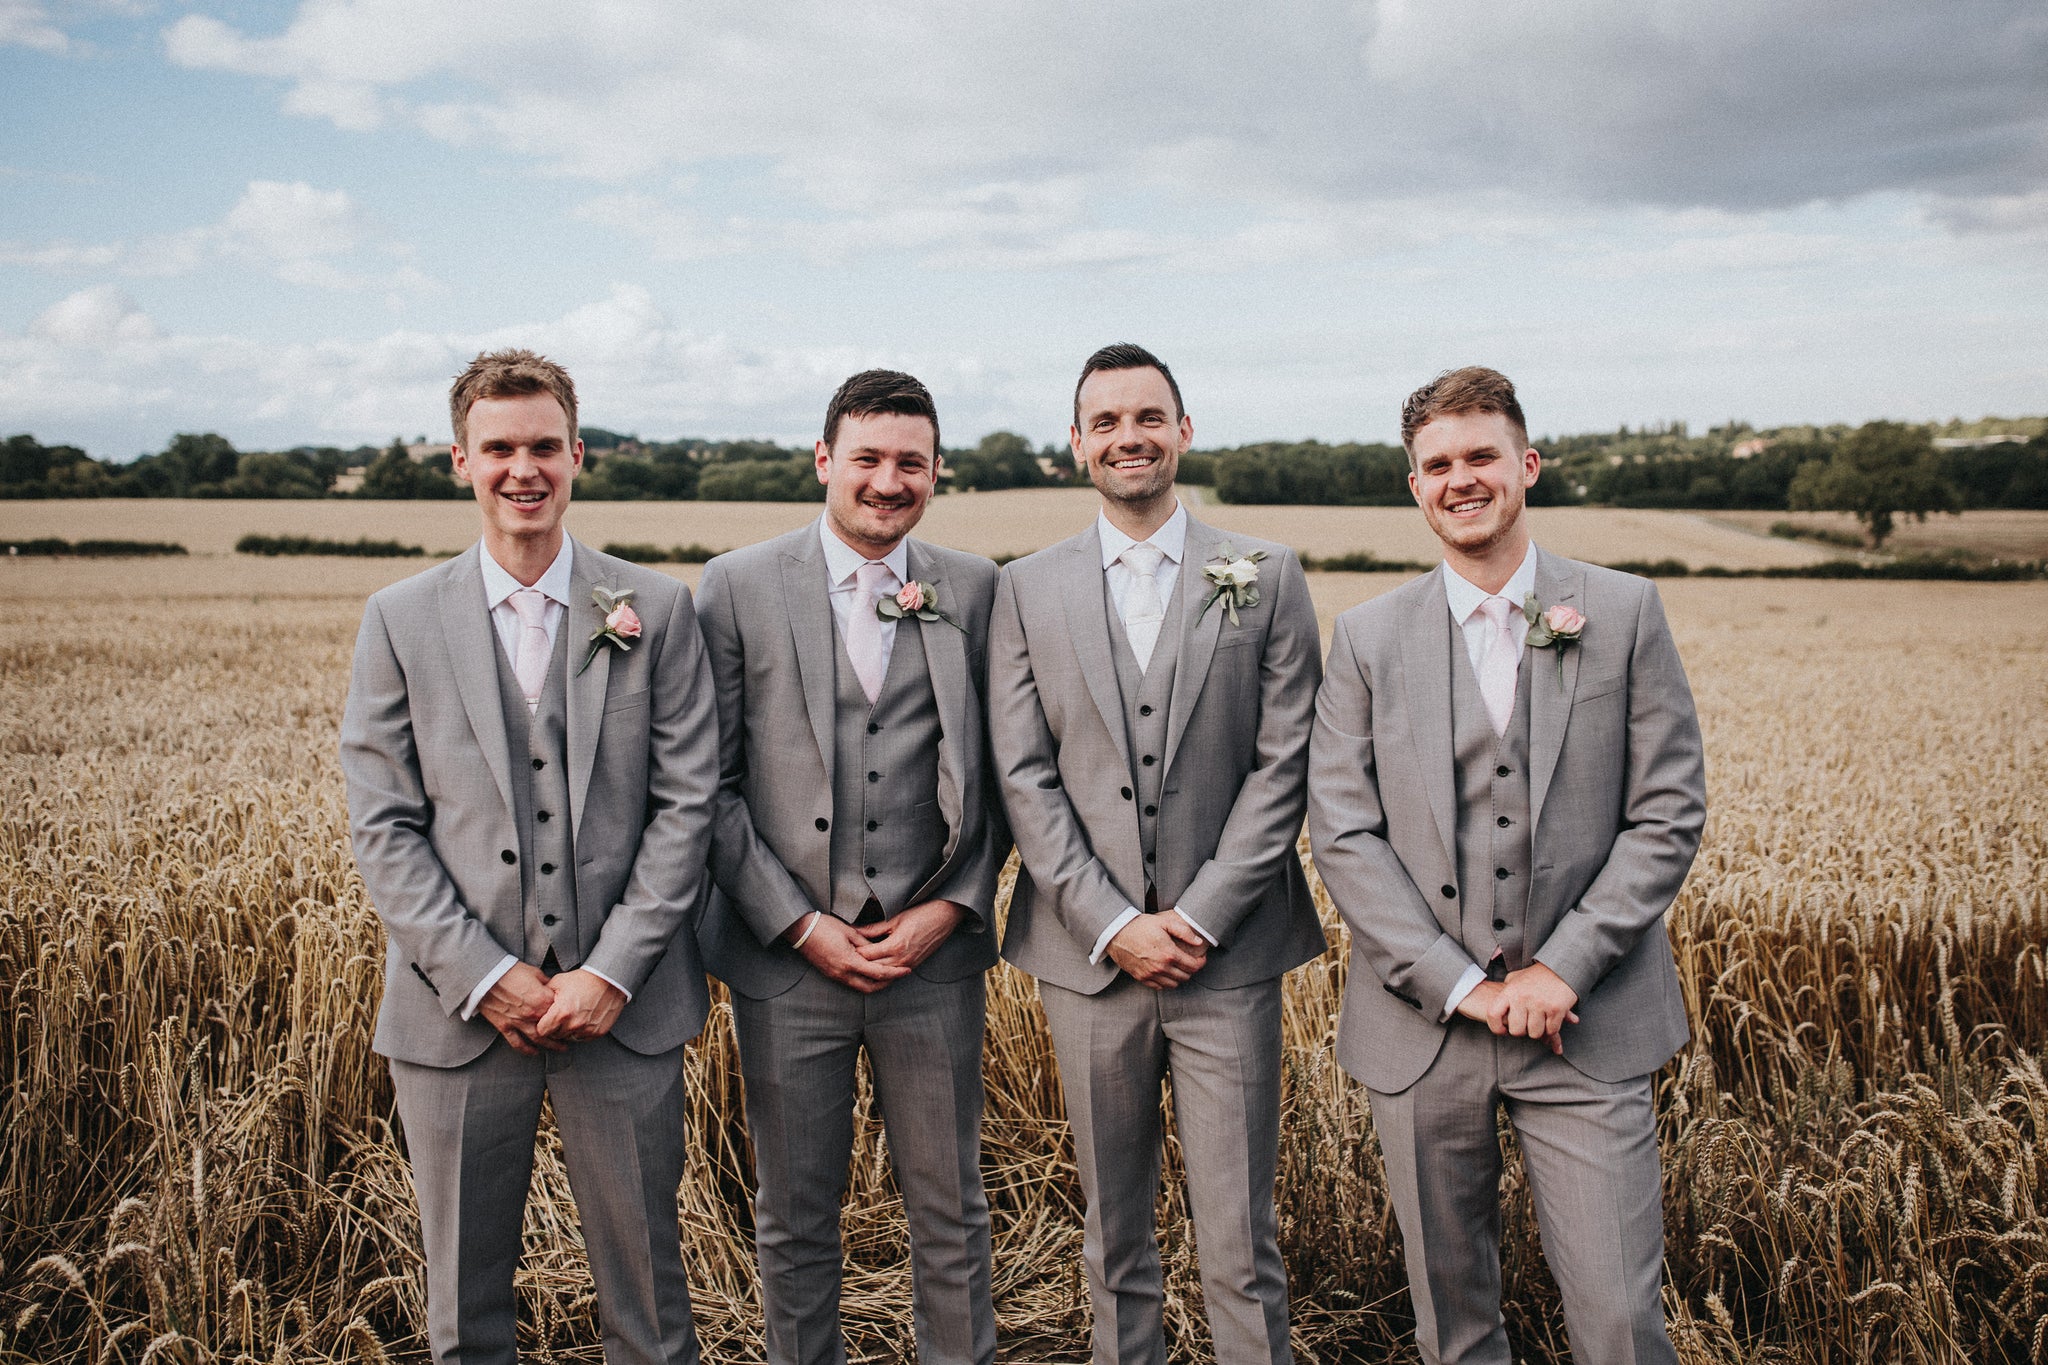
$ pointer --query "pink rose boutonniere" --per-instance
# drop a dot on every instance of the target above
(1553, 627)
(917, 599)
(621, 623)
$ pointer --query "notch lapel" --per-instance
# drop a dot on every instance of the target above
(807, 606)
(1199, 631)
(586, 689)
(945, 655)
(1426, 686)
(470, 637)
(1087, 608)
(1558, 581)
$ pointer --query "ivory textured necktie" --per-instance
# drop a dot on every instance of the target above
(530, 660)
(1143, 610)
(1497, 667)
(864, 627)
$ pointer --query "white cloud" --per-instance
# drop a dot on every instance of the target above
(24, 23)
(299, 234)
(101, 319)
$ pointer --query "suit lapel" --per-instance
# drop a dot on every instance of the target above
(807, 605)
(1087, 608)
(945, 656)
(1426, 682)
(466, 626)
(1199, 631)
(587, 688)
(1555, 681)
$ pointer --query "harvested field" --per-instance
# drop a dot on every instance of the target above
(1008, 523)
(197, 1162)
(1987, 534)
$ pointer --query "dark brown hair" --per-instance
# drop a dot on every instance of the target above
(1126, 356)
(873, 391)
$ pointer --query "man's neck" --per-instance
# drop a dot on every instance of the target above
(1490, 570)
(866, 549)
(526, 558)
(1140, 520)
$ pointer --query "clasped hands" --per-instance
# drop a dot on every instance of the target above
(1161, 950)
(867, 957)
(1532, 1003)
(535, 1012)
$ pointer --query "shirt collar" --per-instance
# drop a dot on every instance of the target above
(1465, 597)
(842, 561)
(1170, 540)
(499, 584)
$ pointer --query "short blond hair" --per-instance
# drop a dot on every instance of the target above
(509, 374)
(1472, 388)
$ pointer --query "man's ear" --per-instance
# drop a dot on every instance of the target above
(822, 457)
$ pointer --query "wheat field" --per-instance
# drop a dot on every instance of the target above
(197, 1160)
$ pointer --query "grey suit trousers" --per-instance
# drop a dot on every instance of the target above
(1222, 1048)
(799, 1052)
(1590, 1149)
(621, 1118)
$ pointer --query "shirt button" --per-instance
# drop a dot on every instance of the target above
(1151, 857)
(547, 919)
(1126, 791)
(1500, 874)
(542, 816)
(539, 763)
(1503, 771)
(1149, 760)
(874, 728)
(823, 823)
(871, 872)
(1500, 924)
(1144, 710)
(1503, 822)
(1151, 810)
(874, 825)
(1450, 892)
(508, 856)
(874, 777)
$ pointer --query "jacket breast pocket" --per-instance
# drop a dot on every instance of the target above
(1231, 639)
(1591, 689)
(626, 701)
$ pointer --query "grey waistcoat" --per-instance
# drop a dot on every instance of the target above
(1145, 697)
(539, 746)
(1493, 813)
(888, 835)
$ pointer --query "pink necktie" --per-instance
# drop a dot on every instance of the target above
(1497, 668)
(530, 660)
(864, 627)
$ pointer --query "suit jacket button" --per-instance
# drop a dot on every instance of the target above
(1149, 760)
(547, 869)
(823, 823)
(1503, 822)
(1151, 857)
(1126, 791)
(874, 777)
(874, 825)
(1151, 810)
(541, 816)
(1145, 710)
(870, 872)
(873, 728)
(1500, 924)
(539, 763)
(1503, 771)
(508, 856)
(547, 919)
(1500, 874)
(1450, 893)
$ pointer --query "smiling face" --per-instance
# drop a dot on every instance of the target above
(520, 459)
(1471, 478)
(1129, 438)
(879, 472)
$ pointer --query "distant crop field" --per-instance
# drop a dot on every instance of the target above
(197, 1159)
(1990, 534)
(1007, 523)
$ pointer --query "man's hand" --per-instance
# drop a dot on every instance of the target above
(839, 950)
(586, 1006)
(907, 939)
(1533, 1003)
(515, 1006)
(1162, 950)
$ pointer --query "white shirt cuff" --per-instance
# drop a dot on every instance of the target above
(483, 987)
(1192, 924)
(1115, 926)
(1474, 974)
(609, 982)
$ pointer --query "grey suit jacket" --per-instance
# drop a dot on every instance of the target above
(1617, 790)
(768, 626)
(1236, 762)
(430, 803)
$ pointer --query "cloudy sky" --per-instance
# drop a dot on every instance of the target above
(295, 222)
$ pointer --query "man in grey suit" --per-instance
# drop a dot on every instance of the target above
(1506, 791)
(1150, 685)
(859, 840)
(531, 748)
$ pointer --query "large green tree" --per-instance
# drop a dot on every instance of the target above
(394, 474)
(1880, 471)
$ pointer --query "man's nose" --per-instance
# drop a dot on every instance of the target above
(887, 480)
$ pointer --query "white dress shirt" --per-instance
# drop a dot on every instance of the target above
(1465, 598)
(1171, 540)
(499, 585)
(842, 562)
